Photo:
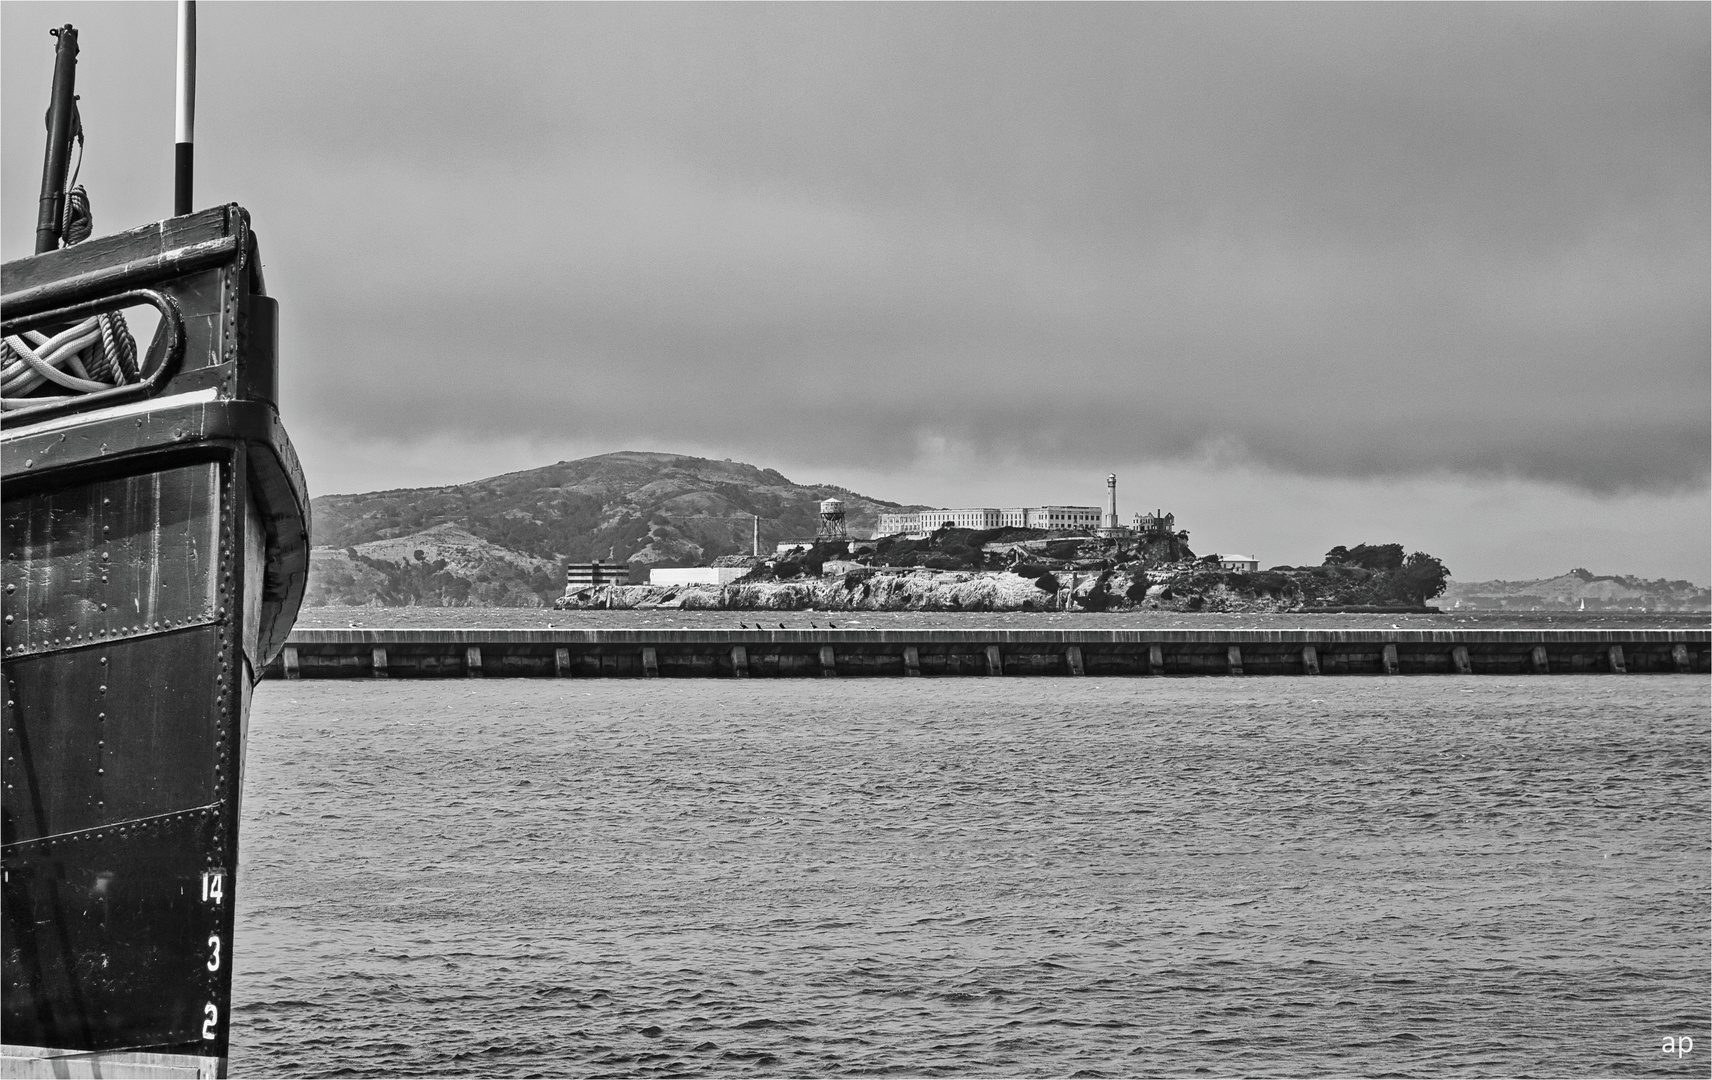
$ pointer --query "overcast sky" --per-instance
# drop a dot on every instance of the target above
(1305, 275)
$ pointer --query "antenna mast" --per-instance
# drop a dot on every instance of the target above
(185, 125)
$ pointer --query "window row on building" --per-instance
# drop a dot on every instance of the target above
(584, 575)
(987, 517)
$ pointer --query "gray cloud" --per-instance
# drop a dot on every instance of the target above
(1356, 240)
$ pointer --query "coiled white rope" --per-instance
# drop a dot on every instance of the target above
(98, 353)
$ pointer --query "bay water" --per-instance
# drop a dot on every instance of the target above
(994, 877)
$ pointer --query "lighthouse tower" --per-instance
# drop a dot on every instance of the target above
(1109, 519)
(1109, 526)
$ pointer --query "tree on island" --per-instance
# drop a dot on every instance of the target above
(1380, 558)
(1420, 578)
(1414, 579)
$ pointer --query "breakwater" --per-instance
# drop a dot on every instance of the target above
(743, 653)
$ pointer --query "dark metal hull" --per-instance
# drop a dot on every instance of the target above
(155, 547)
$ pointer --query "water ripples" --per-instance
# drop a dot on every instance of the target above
(1498, 876)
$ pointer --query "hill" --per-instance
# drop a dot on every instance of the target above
(1579, 590)
(500, 541)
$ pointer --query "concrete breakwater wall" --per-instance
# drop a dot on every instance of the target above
(716, 653)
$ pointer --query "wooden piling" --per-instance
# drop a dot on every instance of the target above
(288, 659)
(473, 662)
(1460, 662)
(1537, 662)
(379, 656)
(1679, 656)
(650, 664)
(561, 662)
(912, 660)
(828, 663)
(740, 660)
(1073, 660)
(1156, 660)
(1233, 659)
(1310, 660)
(1614, 657)
(995, 662)
(1388, 657)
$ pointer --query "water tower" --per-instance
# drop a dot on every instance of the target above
(831, 521)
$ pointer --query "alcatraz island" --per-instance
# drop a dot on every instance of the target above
(1046, 558)
(638, 530)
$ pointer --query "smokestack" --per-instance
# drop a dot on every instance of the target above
(755, 549)
(1110, 519)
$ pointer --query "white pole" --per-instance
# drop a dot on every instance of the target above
(184, 127)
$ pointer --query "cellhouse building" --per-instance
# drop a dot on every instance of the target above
(988, 517)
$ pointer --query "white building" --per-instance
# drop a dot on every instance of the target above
(988, 517)
(695, 575)
(585, 575)
(1246, 564)
(1063, 517)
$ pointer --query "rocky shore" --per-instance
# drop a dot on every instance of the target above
(930, 590)
(1073, 574)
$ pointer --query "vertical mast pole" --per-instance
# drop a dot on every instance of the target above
(62, 106)
(185, 125)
